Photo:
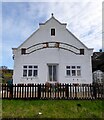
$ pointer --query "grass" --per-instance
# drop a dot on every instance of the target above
(52, 109)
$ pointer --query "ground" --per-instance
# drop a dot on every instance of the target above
(52, 109)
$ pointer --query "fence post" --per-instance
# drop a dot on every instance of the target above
(70, 91)
(94, 91)
(11, 92)
(39, 91)
(67, 90)
(75, 91)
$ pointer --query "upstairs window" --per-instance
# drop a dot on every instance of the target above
(81, 51)
(53, 32)
(23, 51)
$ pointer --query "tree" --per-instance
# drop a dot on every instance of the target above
(3, 67)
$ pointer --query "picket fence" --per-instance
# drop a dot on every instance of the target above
(52, 91)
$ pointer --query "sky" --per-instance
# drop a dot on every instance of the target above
(21, 19)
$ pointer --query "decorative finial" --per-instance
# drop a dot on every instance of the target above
(52, 14)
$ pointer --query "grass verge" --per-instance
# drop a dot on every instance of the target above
(52, 108)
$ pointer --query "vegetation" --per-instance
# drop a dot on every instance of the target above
(5, 75)
(52, 109)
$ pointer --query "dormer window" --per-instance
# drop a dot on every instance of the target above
(52, 31)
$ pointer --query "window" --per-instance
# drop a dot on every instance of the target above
(73, 67)
(30, 71)
(73, 70)
(23, 51)
(78, 72)
(52, 32)
(68, 70)
(35, 71)
(52, 72)
(81, 51)
(68, 67)
(24, 73)
(78, 67)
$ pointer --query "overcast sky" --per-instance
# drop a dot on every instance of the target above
(21, 19)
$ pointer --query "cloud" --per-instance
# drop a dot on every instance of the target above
(84, 20)
(51, 0)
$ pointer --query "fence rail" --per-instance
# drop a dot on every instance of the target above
(52, 91)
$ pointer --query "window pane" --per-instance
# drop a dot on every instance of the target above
(73, 67)
(68, 67)
(54, 73)
(81, 51)
(29, 72)
(73, 73)
(68, 72)
(24, 66)
(24, 73)
(35, 73)
(78, 67)
(23, 51)
(53, 32)
(78, 73)
(35, 66)
(50, 73)
(30, 66)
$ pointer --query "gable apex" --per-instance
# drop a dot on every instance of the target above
(53, 18)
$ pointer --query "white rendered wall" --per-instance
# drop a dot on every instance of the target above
(53, 56)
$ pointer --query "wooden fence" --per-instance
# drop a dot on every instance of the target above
(57, 91)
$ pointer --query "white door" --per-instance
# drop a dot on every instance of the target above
(52, 73)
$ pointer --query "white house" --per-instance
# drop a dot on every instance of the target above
(52, 54)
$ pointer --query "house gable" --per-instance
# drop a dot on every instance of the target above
(62, 34)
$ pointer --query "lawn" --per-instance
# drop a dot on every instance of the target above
(52, 109)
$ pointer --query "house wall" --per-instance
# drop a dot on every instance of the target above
(50, 56)
(53, 56)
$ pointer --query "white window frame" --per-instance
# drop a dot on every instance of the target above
(78, 69)
(33, 68)
(52, 72)
(54, 31)
(75, 68)
(68, 69)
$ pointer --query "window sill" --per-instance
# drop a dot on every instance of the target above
(29, 77)
(72, 76)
